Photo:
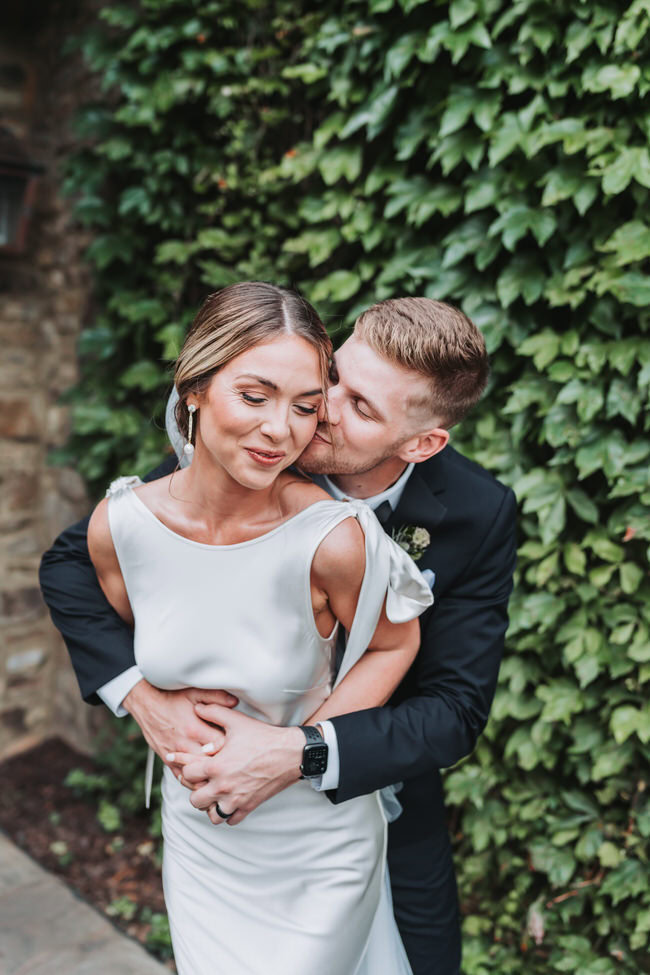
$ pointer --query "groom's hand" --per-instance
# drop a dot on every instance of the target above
(256, 761)
(169, 721)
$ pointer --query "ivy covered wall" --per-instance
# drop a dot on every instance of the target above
(487, 152)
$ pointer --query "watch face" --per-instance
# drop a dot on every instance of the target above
(314, 760)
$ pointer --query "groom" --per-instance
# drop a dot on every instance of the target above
(412, 368)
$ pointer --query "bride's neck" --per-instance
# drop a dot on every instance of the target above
(220, 497)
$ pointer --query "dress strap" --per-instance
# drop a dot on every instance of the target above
(148, 776)
(390, 573)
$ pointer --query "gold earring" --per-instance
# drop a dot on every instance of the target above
(188, 448)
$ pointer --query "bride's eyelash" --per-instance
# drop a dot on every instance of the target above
(259, 400)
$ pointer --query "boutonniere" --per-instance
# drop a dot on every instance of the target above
(415, 541)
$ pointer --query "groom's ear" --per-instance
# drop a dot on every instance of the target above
(424, 446)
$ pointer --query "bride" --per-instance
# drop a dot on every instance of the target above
(236, 572)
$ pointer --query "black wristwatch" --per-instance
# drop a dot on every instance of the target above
(314, 754)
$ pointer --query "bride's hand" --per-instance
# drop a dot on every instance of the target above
(256, 761)
(169, 721)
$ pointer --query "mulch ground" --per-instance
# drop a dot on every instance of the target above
(61, 832)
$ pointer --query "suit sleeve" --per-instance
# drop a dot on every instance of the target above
(99, 642)
(455, 673)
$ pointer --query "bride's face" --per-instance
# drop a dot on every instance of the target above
(260, 411)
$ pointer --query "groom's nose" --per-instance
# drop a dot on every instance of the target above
(333, 406)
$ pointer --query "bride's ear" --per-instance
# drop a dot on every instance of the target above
(197, 400)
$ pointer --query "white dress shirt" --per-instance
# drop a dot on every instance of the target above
(114, 692)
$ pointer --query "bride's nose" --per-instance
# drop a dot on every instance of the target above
(275, 425)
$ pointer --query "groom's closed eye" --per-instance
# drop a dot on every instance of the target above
(360, 407)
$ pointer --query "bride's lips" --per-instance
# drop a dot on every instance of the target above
(265, 458)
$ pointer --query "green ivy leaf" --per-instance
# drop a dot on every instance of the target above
(627, 880)
(142, 375)
(628, 164)
(562, 699)
(630, 242)
(339, 286)
(611, 761)
(631, 576)
(558, 864)
(460, 11)
(619, 80)
(372, 115)
(342, 162)
(543, 348)
(623, 723)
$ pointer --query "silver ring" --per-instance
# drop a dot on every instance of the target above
(221, 813)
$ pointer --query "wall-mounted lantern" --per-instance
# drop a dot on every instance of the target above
(18, 180)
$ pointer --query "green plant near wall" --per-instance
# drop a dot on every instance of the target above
(494, 154)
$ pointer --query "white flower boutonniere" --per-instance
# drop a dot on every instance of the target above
(415, 541)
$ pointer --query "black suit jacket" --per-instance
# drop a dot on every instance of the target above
(442, 705)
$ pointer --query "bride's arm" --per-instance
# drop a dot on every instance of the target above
(337, 573)
(104, 558)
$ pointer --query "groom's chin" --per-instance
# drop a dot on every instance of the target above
(316, 458)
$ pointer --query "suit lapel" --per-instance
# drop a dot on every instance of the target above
(419, 504)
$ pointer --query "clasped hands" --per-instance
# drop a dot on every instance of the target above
(224, 757)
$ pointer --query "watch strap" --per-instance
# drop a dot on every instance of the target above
(312, 734)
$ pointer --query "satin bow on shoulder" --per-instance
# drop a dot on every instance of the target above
(390, 573)
(122, 484)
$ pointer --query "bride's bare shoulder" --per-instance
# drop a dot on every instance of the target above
(297, 493)
(100, 540)
(101, 549)
(153, 490)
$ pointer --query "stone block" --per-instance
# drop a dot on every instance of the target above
(57, 425)
(37, 718)
(14, 719)
(22, 544)
(20, 489)
(71, 485)
(21, 604)
(18, 367)
(56, 279)
(18, 419)
(25, 661)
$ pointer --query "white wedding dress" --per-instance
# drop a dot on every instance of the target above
(300, 886)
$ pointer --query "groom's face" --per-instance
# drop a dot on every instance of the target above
(370, 419)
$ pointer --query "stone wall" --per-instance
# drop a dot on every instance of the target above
(44, 294)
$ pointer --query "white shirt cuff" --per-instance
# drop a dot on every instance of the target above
(330, 779)
(113, 693)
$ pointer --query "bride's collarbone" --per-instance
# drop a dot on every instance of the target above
(194, 521)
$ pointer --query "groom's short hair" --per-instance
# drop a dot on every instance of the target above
(436, 340)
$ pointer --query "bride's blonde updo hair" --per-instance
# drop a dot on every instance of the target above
(235, 319)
